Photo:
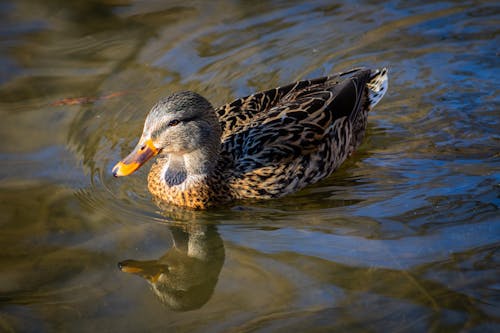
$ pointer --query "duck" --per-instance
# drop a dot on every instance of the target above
(263, 146)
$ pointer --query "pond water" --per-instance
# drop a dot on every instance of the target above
(405, 237)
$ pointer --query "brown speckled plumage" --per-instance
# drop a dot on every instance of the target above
(262, 146)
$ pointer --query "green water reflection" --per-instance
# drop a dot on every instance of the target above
(185, 276)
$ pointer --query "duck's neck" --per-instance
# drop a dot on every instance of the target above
(195, 166)
(174, 172)
(186, 180)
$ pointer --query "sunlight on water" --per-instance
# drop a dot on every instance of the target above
(403, 237)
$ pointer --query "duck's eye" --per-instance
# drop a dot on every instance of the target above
(173, 122)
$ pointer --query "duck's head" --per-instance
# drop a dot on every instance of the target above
(181, 124)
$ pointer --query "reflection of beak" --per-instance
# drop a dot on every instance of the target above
(140, 155)
(149, 270)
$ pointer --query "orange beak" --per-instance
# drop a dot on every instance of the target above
(140, 155)
(149, 270)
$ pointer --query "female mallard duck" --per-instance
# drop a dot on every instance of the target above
(262, 146)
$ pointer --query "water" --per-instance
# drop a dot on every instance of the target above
(403, 238)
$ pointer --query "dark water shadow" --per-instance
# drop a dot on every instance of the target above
(378, 300)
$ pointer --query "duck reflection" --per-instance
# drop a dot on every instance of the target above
(184, 278)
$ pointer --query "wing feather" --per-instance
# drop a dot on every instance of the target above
(294, 122)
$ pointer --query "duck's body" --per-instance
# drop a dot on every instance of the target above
(262, 146)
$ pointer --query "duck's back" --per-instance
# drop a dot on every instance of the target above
(280, 140)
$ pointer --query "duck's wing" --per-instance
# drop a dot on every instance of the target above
(302, 138)
(298, 122)
(238, 114)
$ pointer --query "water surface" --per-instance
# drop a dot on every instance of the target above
(403, 238)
